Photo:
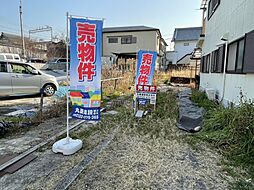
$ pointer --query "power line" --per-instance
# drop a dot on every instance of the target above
(15, 31)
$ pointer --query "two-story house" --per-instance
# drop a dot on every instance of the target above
(121, 44)
(227, 66)
(185, 41)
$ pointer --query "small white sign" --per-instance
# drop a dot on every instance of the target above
(149, 96)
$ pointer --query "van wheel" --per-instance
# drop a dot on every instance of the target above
(49, 90)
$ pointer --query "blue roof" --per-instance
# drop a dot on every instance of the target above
(187, 34)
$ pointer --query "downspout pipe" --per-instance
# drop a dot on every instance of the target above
(224, 72)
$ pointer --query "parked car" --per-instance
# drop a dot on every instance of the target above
(56, 64)
(9, 57)
(36, 60)
(59, 60)
(19, 78)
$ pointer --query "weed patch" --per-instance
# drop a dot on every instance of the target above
(230, 130)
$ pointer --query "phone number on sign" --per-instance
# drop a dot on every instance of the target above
(86, 117)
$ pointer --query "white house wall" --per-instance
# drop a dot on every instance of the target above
(237, 18)
(181, 50)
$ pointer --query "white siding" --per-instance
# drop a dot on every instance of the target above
(146, 40)
(182, 50)
(233, 16)
(237, 18)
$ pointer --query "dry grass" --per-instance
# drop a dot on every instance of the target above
(125, 86)
(149, 153)
(184, 73)
(161, 78)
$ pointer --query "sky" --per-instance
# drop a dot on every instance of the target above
(163, 14)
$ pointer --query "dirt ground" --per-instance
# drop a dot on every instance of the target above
(145, 154)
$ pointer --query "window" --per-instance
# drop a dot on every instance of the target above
(231, 57)
(217, 60)
(214, 61)
(212, 6)
(3, 67)
(10, 57)
(16, 57)
(186, 44)
(63, 60)
(240, 55)
(29, 68)
(221, 59)
(248, 66)
(134, 40)
(19, 69)
(112, 40)
(128, 40)
(205, 64)
(1, 57)
(235, 57)
(208, 62)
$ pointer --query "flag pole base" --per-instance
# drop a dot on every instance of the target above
(67, 146)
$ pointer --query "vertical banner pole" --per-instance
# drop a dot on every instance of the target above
(67, 75)
(135, 95)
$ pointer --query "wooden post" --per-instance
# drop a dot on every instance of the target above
(41, 104)
(115, 85)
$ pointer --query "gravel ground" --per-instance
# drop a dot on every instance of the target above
(49, 168)
(18, 143)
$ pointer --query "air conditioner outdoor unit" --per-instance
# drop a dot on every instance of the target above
(210, 92)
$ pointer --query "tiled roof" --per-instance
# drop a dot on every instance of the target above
(186, 34)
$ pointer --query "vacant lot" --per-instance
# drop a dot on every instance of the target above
(147, 153)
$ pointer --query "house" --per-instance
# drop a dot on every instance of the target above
(121, 44)
(183, 61)
(227, 67)
(185, 41)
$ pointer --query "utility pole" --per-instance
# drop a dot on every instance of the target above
(21, 30)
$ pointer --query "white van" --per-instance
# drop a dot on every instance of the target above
(17, 78)
(9, 57)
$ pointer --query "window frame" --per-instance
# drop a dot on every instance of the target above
(128, 40)
(214, 61)
(22, 65)
(1, 62)
(247, 50)
(113, 38)
(210, 14)
(206, 59)
(236, 71)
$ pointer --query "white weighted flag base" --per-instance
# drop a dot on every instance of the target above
(67, 146)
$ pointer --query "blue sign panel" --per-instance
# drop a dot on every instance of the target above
(85, 67)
